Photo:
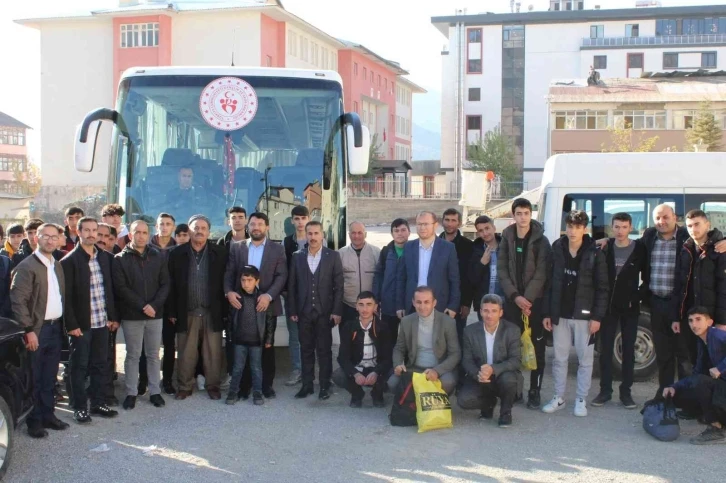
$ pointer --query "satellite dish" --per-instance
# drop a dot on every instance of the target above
(530, 8)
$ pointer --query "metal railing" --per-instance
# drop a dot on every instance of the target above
(424, 189)
(695, 39)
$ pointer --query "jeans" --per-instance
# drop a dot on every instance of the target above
(44, 363)
(89, 356)
(240, 358)
(563, 333)
(294, 344)
(268, 364)
(148, 334)
(628, 331)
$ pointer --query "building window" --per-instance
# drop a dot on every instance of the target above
(474, 36)
(632, 30)
(304, 49)
(139, 35)
(568, 5)
(13, 136)
(355, 106)
(600, 62)
(379, 80)
(473, 123)
(670, 61)
(708, 60)
(683, 119)
(640, 119)
(11, 163)
(474, 94)
(635, 61)
(597, 31)
(474, 66)
(587, 120)
(355, 69)
(365, 73)
(666, 27)
(385, 84)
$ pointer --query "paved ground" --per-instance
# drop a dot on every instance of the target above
(289, 440)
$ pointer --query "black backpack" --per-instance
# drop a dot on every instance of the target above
(403, 411)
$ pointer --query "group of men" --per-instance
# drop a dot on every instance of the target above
(403, 308)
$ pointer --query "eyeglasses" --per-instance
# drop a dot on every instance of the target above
(49, 237)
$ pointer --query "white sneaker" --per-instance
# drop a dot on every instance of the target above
(580, 407)
(554, 405)
(201, 381)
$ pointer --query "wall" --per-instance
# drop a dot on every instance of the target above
(584, 141)
(299, 50)
(272, 42)
(489, 81)
(385, 210)
(77, 73)
(448, 102)
(124, 58)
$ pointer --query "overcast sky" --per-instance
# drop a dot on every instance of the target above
(400, 30)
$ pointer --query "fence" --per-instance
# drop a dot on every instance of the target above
(426, 189)
(693, 39)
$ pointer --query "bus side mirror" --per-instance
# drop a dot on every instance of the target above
(358, 157)
(85, 151)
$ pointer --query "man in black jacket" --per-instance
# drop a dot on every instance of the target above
(452, 222)
(237, 220)
(523, 266)
(482, 267)
(88, 315)
(702, 278)
(315, 302)
(625, 261)
(660, 290)
(197, 307)
(141, 283)
(574, 307)
(364, 354)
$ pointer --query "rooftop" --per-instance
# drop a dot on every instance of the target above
(395, 164)
(9, 121)
(391, 64)
(575, 16)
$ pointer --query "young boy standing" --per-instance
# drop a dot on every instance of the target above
(250, 333)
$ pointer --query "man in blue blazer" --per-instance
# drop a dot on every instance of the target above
(428, 261)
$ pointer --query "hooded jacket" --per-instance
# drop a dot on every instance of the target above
(537, 261)
(703, 278)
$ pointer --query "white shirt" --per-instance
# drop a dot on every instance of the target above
(369, 350)
(490, 344)
(314, 260)
(54, 306)
(255, 253)
(424, 261)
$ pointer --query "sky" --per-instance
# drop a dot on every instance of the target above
(399, 30)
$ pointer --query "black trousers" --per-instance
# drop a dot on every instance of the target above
(89, 355)
(513, 314)
(341, 379)
(316, 338)
(268, 368)
(44, 362)
(483, 396)
(670, 350)
(628, 324)
(392, 322)
(109, 390)
(698, 398)
(168, 339)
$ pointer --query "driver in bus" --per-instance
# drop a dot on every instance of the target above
(187, 193)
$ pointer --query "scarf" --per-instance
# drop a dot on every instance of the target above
(9, 249)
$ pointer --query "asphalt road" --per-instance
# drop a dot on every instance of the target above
(287, 440)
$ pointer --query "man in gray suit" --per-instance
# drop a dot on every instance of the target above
(427, 343)
(269, 258)
(492, 358)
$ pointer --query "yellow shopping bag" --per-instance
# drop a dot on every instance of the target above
(529, 358)
(433, 409)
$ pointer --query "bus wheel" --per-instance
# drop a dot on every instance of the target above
(645, 364)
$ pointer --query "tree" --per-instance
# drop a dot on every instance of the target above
(624, 140)
(494, 152)
(28, 181)
(704, 130)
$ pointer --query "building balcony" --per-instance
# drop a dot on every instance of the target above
(657, 41)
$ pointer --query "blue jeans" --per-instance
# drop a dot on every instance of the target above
(240, 357)
(294, 344)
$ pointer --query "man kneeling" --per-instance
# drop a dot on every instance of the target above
(364, 354)
(704, 392)
(492, 358)
(427, 343)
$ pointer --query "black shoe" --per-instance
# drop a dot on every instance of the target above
(55, 424)
(711, 435)
(104, 411)
(157, 401)
(269, 393)
(111, 401)
(244, 395)
(533, 399)
(487, 413)
(37, 431)
(324, 394)
(627, 401)
(304, 392)
(168, 388)
(81, 416)
(518, 398)
(142, 388)
(356, 403)
(601, 399)
(129, 402)
(505, 420)
(257, 398)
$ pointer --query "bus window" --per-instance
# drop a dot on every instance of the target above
(714, 205)
(636, 210)
(577, 202)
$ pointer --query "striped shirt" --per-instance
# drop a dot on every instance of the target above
(369, 351)
(663, 266)
(314, 260)
(98, 293)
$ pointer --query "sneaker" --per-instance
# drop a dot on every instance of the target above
(712, 435)
(601, 399)
(157, 400)
(295, 378)
(81, 416)
(555, 404)
(201, 382)
(231, 399)
(580, 407)
(257, 398)
(627, 401)
(104, 411)
(129, 402)
(533, 399)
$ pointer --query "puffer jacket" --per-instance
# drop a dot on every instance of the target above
(140, 279)
(703, 278)
(537, 261)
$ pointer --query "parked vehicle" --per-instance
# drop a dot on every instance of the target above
(16, 388)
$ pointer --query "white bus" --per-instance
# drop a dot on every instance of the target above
(603, 184)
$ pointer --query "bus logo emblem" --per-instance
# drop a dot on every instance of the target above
(228, 103)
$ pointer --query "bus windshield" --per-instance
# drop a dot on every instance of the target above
(169, 158)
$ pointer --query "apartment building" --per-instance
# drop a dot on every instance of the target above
(13, 153)
(497, 68)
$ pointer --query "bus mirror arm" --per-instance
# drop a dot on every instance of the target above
(352, 119)
(357, 144)
(87, 136)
